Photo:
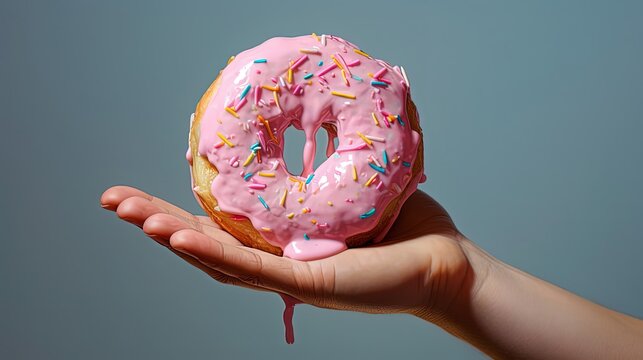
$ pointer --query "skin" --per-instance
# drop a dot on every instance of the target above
(425, 267)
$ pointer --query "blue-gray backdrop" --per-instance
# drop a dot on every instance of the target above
(532, 114)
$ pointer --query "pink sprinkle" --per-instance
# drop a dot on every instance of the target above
(322, 226)
(379, 186)
(257, 94)
(235, 164)
(354, 63)
(273, 79)
(349, 200)
(233, 159)
(380, 73)
(384, 80)
(351, 147)
(343, 63)
(219, 145)
(297, 88)
(380, 103)
(258, 71)
(299, 61)
(241, 103)
(237, 217)
(326, 69)
(257, 186)
(262, 140)
(229, 102)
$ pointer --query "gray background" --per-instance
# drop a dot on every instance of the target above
(532, 114)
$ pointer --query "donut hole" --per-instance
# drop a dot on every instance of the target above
(294, 141)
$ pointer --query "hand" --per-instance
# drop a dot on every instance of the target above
(420, 268)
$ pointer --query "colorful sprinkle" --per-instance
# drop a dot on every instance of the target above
(406, 80)
(306, 237)
(276, 97)
(271, 88)
(308, 76)
(300, 200)
(375, 120)
(385, 157)
(299, 61)
(305, 210)
(357, 78)
(267, 125)
(399, 118)
(358, 51)
(406, 163)
(256, 186)
(366, 140)
(375, 138)
(344, 95)
(263, 202)
(291, 215)
(320, 63)
(310, 178)
(282, 201)
(345, 79)
(247, 176)
(336, 62)
(240, 104)
(245, 91)
(260, 61)
(370, 180)
(330, 203)
(289, 78)
(380, 73)
(231, 111)
(249, 158)
(378, 83)
(314, 221)
(310, 51)
(230, 59)
(367, 214)
(266, 174)
(265, 228)
(354, 173)
(325, 70)
(224, 139)
(377, 168)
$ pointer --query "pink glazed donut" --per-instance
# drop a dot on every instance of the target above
(237, 140)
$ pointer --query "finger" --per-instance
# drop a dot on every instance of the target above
(136, 210)
(113, 196)
(164, 225)
(252, 266)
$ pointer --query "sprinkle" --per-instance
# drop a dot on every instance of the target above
(406, 80)
(265, 228)
(330, 203)
(366, 140)
(300, 200)
(314, 221)
(289, 78)
(231, 111)
(305, 210)
(399, 118)
(379, 186)
(263, 202)
(375, 138)
(240, 104)
(378, 83)
(377, 168)
(406, 163)
(351, 147)
(345, 79)
(267, 125)
(276, 97)
(291, 215)
(325, 70)
(372, 159)
(357, 78)
(391, 118)
(344, 95)
(297, 89)
(310, 178)
(349, 200)
(395, 159)
(271, 88)
(247, 176)
(315, 36)
(258, 156)
(230, 59)
(377, 122)
(224, 139)
(323, 39)
(259, 61)
(367, 214)
(354, 173)
(257, 94)
(308, 76)
(320, 63)
(249, 159)
(299, 61)
(336, 62)
(310, 51)
(380, 73)
(282, 201)
(257, 186)
(220, 144)
(233, 160)
(358, 51)
(266, 174)
(370, 180)
(306, 237)
(385, 157)
(255, 146)
(245, 91)
(282, 82)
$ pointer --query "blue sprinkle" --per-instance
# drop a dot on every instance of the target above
(260, 61)
(263, 202)
(245, 92)
(406, 163)
(377, 168)
(308, 76)
(357, 77)
(320, 63)
(254, 146)
(310, 178)
(385, 157)
(306, 237)
(399, 118)
(367, 214)
(379, 83)
(247, 176)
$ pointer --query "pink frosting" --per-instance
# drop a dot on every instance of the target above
(309, 215)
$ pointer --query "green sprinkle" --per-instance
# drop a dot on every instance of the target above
(367, 214)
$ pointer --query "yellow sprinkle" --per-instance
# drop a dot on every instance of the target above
(337, 62)
(290, 73)
(394, 159)
(314, 221)
(369, 75)
(224, 139)
(231, 111)
(301, 185)
(344, 77)
(358, 51)
(271, 88)
(300, 200)
(330, 203)
(230, 59)
(305, 210)
(274, 95)
(249, 159)
(282, 201)
(354, 173)
(344, 95)
(370, 180)
(267, 125)
(264, 228)
(266, 174)
(315, 36)
(309, 82)
(377, 122)
(391, 118)
(366, 140)
(291, 215)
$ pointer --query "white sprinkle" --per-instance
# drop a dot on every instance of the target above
(282, 82)
(405, 78)
(323, 39)
(374, 138)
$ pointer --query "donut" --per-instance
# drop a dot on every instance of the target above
(236, 146)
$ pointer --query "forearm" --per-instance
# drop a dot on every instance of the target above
(510, 314)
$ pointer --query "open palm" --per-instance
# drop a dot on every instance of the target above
(420, 266)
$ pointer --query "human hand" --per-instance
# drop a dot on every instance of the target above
(419, 268)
